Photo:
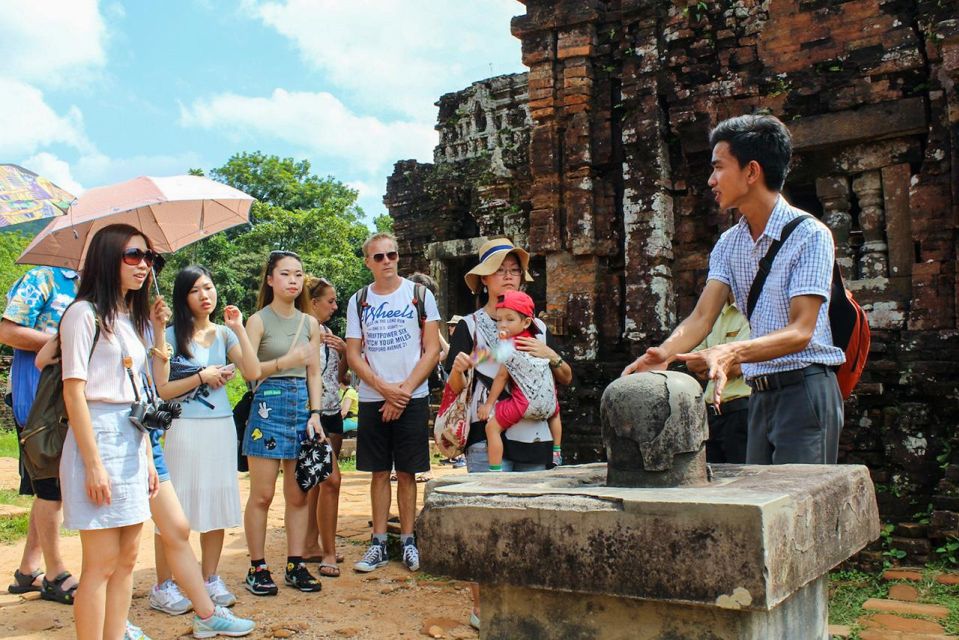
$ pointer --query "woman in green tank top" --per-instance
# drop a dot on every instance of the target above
(285, 411)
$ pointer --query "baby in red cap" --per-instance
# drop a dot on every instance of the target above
(532, 389)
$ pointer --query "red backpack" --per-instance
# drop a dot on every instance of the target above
(847, 320)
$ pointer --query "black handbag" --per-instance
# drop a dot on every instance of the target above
(46, 427)
(314, 463)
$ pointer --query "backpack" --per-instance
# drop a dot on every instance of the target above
(437, 378)
(847, 320)
(46, 427)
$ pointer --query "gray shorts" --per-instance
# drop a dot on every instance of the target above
(797, 424)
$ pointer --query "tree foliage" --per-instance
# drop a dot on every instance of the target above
(295, 211)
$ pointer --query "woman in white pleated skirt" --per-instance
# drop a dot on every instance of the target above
(200, 447)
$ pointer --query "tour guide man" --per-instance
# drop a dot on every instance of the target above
(795, 410)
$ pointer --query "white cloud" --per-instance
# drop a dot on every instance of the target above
(97, 168)
(317, 123)
(30, 124)
(51, 42)
(53, 168)
(398, 56)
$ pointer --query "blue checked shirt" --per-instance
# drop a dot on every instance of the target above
(803, 267)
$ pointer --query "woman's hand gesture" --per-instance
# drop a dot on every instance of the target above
(233, 317)
(98, 484)
(160, 314)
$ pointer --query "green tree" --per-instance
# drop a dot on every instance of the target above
(296, 211)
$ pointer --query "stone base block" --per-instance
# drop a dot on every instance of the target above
(518, 613)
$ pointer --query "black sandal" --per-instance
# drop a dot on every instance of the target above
(23, 583)
(54, 592)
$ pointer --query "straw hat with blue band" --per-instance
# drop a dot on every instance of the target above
(491, 256)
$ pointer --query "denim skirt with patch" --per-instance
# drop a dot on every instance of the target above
(278, 417)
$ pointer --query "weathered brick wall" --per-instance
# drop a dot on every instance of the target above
(621, 97)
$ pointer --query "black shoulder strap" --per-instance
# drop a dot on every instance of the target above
(419, 301)
(361, 303)
(766, 264)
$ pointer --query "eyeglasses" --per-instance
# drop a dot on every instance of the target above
(503, 272)
(392, 256)
(133, 257)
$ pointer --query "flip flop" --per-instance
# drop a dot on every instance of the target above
(53, 590)
(24, 583)
(319, 559)
(329, 570)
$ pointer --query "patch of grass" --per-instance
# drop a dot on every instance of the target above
(14, 528)
(8, 444)
(848, 590)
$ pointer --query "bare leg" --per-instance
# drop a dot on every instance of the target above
(311, 542)
(329, 510)
(211, 546)
(101, 548)
(406, 500)
(296, 515)
(175, 530)
(381, 497)
(120, 585)
(163, 567)
(32, 552)
(46, 516)
(263, 472)
(556, 429)
(494, 442)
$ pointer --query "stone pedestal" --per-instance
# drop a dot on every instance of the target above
(560, 555)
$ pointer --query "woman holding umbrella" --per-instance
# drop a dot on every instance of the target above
(106, 473)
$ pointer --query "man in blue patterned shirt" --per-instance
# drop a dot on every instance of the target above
(795, 409)
(35, 304)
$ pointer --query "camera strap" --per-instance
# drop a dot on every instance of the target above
(127, 361)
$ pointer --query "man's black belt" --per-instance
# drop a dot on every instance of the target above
(730, 406)
(774, 381)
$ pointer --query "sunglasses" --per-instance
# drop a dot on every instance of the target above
(133, 257)
(392, 256)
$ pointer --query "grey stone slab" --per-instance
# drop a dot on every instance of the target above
(760, 533)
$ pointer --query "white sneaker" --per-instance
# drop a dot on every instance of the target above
(221, 623)
(218, 592)
(166, 597)
(134, 633)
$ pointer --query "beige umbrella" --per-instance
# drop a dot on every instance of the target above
(172, 212)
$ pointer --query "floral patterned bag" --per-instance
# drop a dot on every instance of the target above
(451, 427)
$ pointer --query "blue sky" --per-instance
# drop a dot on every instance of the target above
(100, 92)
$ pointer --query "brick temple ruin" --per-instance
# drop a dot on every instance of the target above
(597, 160)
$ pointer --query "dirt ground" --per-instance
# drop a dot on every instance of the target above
(389, 603)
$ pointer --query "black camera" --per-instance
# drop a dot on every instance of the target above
(147, 417)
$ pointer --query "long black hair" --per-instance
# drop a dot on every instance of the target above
(265, 296)
(100, 278)
(183, 320)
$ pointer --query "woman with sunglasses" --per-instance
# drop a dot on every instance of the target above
(324, 500)
(107, 475)
(202, 462)
(286, 410)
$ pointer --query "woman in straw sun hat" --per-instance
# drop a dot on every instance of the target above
(528, 446)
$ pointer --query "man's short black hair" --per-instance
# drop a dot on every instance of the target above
(762, 138)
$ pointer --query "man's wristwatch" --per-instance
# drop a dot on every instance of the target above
(557, 363)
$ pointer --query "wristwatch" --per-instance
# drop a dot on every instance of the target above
(557, 363)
